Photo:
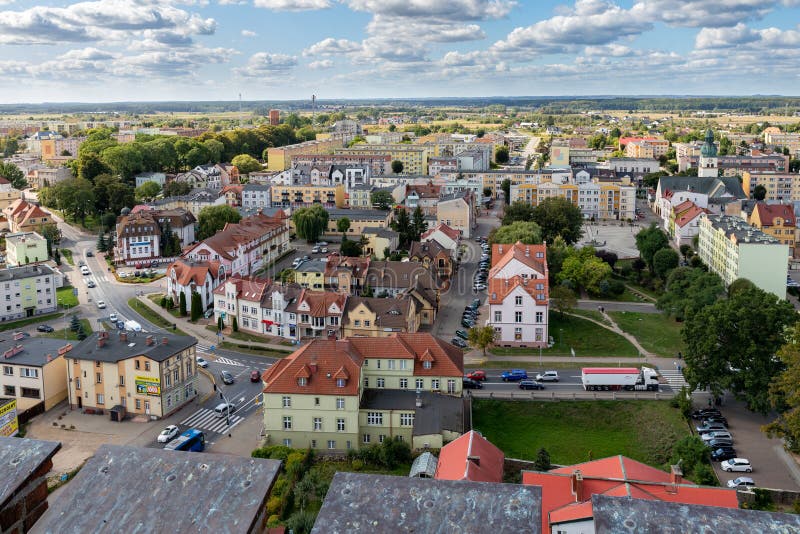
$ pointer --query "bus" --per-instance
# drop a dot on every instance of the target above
(191, 440)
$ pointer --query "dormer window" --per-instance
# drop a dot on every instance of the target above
(426, 364)
(302, 381)
(340, 382)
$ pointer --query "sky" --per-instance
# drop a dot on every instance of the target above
(140, 50)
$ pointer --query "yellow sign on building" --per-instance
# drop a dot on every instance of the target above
(9, 425)
(148, 385)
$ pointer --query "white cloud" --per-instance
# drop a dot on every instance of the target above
(741, 36)
(321, 64)
(444, 9)
(702, 13)
(293, 5)
(331, 46)
(249, 33)
(264, 63)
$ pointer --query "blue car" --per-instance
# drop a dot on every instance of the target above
(514, 375)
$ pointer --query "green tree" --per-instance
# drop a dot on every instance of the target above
(197, 306)
(542, 462)
(182, 303)
(759, 192)
(563, 299)
(689, 290)
(649, 241)
(418, 224)
(559, 217)
(481, 337)
(664, 261)
(557, 251)
(13, 174)
(343, 225)
(784, 395)
(101, 243)
(147, 191)
(367, 291)
(528, 233)
(176, 189)
(397, 166)
(310, 223)
(215, 150)
(501, 154)
(402, 225)
(52, 235)
(350, 248)
(505, 185)
(235, 324)
(585, 270)
(246, 163)
(690, 453)
(212, 219)
(75, 197)
(124, 160)
(517, 211)
(731, 345)
(738, 285)
(382, 200)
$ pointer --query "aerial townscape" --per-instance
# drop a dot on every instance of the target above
(313, 266)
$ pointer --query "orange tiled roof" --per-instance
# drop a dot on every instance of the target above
(526, 254)
(189, 271)
(446, 230)
(500, 288)
(457, 460)
(689, 215)
(767, 213)
(319, 302)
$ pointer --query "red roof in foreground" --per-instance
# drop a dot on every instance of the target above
(470, 457)
(566, 498)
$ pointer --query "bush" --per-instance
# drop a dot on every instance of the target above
(235, 325)
(357, 465)
(301, 522)
(274, 505)
(276, 452)
(542, 462)
(163, 302)
(170, 303)
(273, 521)
(704, 476)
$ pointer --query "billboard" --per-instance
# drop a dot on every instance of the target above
(148, 385)
(9, 425)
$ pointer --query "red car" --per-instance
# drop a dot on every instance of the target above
(255, 376)
(477, 375)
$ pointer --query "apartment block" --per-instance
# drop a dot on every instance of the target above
(280, 158)
(34, 371)
(414, 157)
(780, 186)
(24, 248)
(27, 291)
(595, 199)
(295, 196)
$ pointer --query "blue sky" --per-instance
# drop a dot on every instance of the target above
(113, 50)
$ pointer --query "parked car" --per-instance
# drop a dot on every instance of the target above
(321, 244)
(478, 374)
(168, 434)
(710, 427)
(44, 328)
(85, 271)
(715, 419)
(227, 378)
(723, 453)
(467, 323)
(548, 376)
(324, 250)
(718, 434)
(123, 274)
(514, 375)
(89, 253)
(702, 414)
(90, 284)
(469, 383)
(741, 482)
(120, 325)
(315, 250)
(530, 384)
(113, 317)
(201, 362)
(255, 375)
(209, 313)
(737, 464)
(153, 263)
(475, 303)
(462, 334)
(101, 304)
(719, 442)
(479, 287)
(81, 263)
(458, 342)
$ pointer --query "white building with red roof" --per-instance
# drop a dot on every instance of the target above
(447, 237)
(519, 295)
(187, 277)
(346, 394)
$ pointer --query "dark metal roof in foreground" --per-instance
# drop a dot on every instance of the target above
(624, 515)
(138, 490)
(19, 458)
(377, 503)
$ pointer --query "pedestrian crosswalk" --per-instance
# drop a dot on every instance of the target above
(205, 419)
(227, 361)
(674, 378)
(203, 348)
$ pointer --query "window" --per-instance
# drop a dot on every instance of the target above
(374, 418)
(25, 372)
(100, 399)
(287, 402)
(287, 422)
(406, 419)
(287, 442)
(451, 386)
(539, 317)
(121, 380)
(8, 370)
(403, 364)
(340, 425)
(77, 383)
(316, 401)
(381, 438)
(518, 300)
(318, 423)
(340, 382)
(331, 444)
(379, 364)
(340, 403)
(426, 364)
(381, 383)
(366, 438)
(176, 375)
(302, 381)
(138, 404)
(136, 364)
(498, 317)
(435, 383)
(404, 383)
(358, 322)
(366, 382)
(517, 317)
(146, 366)
(9, 391)
(419, 384)
(391, 364)
(313, 444)
(98, 378)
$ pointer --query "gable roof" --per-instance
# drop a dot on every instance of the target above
(500, 288)
(526, 254)
(713, 187)
(470, 457)
(452, 233)
(399, 274)
(688, 213)
(357, 265)
(767, 213)
(188, 271)
(389, 312)
(319, 302)
(427, 249)
(317, 362)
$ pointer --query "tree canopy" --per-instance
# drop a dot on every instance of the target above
(310, 222)
(501, 154)
(664, 261)
(784, 394)
(517, 211)
(559, 217)
(212, 219)
(147, 191)
(382, 200)
(397, 166)
(688, 290)
(13, 174)
(528, 232)
(481, 337)
(583, 269)
(649, 241)
(246, 163)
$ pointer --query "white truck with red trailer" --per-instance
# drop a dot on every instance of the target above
(619, 378)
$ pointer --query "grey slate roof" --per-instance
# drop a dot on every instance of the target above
(116, 350)
(26, 271)
(132, 489)
(34, 349)
(713, 187)
(360, 503)
(20, 458)
(382, 232)
(744, 233)
(356, 215)
(624, 515)
(438, 412)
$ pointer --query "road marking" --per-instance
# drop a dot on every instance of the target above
(674, 378)
(227, 361)
(206, 419)
(203, 348)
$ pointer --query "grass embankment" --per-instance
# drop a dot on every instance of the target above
(72, 336)
(65, 297)
(13, 325)
(586, 338)
(67, 255)
(656, 332)
(577, 431)
(153, 317)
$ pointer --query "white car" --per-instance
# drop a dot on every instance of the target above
(101, 304)
(547, 376)
(479, 287)
(113, 317)
(168, 434)
(717, 434)
(741, 482)
(85, 271)
(123, 274)
(737, 464)
(201, 362)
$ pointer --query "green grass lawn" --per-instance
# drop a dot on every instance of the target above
(65, 297)
(587, 338)
(67, 255)
(143, 310)
(59, 333)
(575, 431)
(243, 336)
(13, 325)
(657, 333)
(238, 347)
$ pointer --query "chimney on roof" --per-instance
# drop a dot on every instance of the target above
(123, 336)
(576, 484)
(418, 402)
(676, 474)
(49, 357)
(164, 340)
(527, 252)
(101, 342)
(474, 459)
(149, 340)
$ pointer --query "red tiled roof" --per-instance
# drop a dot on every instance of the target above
(470, 457)
(767, 213)
(317, 362)
(250, 289)
(689, 215)
(500, 288)
(319, 302)
(188, 271)
(526, 254)
(683, 206)
(446, 230)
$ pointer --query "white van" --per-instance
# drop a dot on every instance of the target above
(224, 409)
(85, 270)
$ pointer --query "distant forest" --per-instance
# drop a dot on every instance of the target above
(554, 105)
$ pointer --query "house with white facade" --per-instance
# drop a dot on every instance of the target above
(685, 222)
(709, 193)
(187, 277)
(256, 196)
(447, 237)
(519, 295)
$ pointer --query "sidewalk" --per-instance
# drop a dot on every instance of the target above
(201, 333)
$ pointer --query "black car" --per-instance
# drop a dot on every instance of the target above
(530, 384)
(472, 384)
(702, 414)
(723, 453)
(715, 419)
(226, 377)
(458, 342)
(44, 328)
(89, 254)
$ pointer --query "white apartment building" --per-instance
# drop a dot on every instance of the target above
(27, 291)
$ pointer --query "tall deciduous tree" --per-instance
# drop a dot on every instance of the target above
(343, 225)
(559, 217)
(13, 174)
(649, 241)
(517, 211)
(505, 185)
(147, 191)
(528, 233)
(382, 200)
(664, 261)
(731, 345)
(784, 393)
(212, 219)
(583, 269)
(176, 189)
(481, 337)
(688, 290)
(563, 299)
(397, 166)
(501, 154)
(310, 223)
(246, 163)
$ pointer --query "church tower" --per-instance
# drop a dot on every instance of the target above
(708, 165)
